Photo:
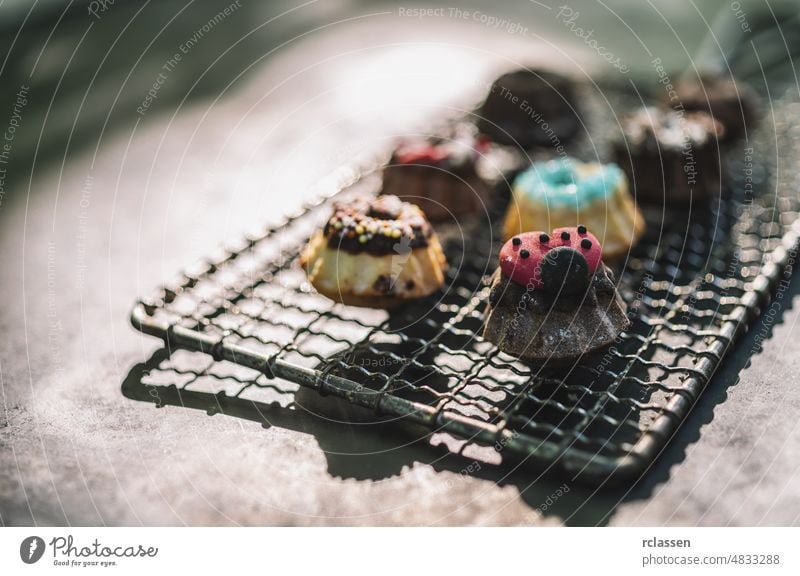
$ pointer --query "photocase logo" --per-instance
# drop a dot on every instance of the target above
(31, 549)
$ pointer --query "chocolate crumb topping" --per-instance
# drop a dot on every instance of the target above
(379, 226)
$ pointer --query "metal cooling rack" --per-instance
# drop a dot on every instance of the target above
(693, 285)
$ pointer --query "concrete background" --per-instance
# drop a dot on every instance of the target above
(104, 204)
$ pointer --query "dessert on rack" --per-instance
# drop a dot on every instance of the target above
(731, 102)
(376, 252)
(439, 175)
(527, 108)
(565, 192)
(553, 302)
(671, 157)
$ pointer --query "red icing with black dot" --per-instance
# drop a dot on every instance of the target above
(521, 257)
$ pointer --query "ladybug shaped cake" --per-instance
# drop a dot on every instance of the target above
(552, 300)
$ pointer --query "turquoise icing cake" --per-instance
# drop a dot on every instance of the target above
(566, 181)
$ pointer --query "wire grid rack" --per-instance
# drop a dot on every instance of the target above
(693, 284)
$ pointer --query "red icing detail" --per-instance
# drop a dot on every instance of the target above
(420, 154)
(526, 271)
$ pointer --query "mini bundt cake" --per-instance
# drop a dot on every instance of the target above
(671, 157)
(730, 102)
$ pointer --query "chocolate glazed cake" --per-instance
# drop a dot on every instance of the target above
(732, 103)
(528, 108)
(439, 176)
(375, 252)
(553, 302)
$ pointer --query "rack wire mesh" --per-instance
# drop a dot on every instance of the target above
(693, 284)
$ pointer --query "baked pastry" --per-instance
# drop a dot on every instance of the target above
(528, 108)
(553, 301)
(731, 102)
(671, 157)
(564, 192)
(439, 176)
(376, 252)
